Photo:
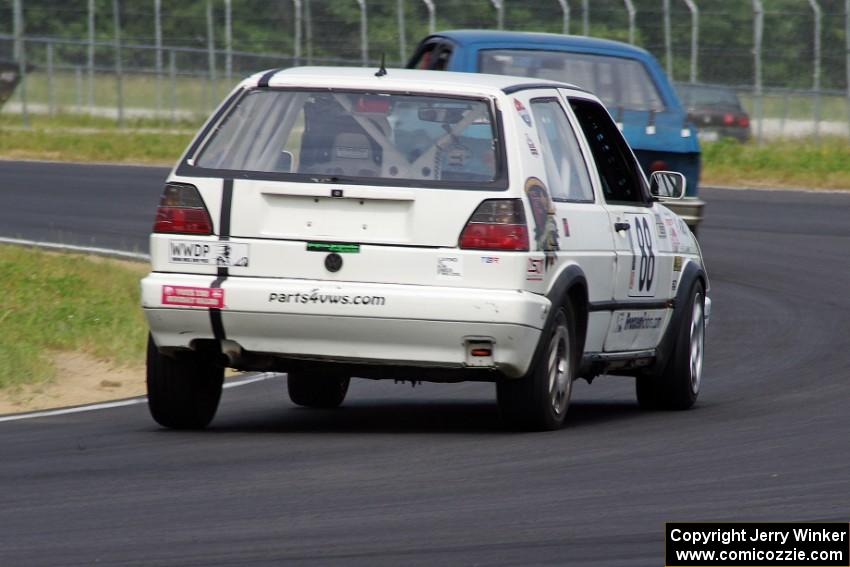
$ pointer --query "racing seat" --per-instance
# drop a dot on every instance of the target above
(351, 154)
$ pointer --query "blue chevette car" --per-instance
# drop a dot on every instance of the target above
(628, 79)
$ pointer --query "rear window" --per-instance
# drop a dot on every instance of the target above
(618, 81)
(339, 136)
(698, 96)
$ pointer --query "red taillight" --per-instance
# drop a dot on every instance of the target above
(181, 210)
(658, 165)
(497, 224)
(743, 121)
(728, 119)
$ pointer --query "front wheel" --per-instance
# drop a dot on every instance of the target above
(540, 399)
(183, 390)
(677, 387)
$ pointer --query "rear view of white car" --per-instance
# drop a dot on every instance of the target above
(414, 225)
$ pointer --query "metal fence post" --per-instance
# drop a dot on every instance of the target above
(630, 8)
(692, 6)
(432, 15)
(499, 5)
(785, 102)
(847, 39)
(565, 10)
(228, 41)
(758, 30)
(668, 40)
(172, 79)
(90, 61)
(78, 84)
(51, 95)
(296, 41)
(157, 33)
(119, 78)
(816, 71)
(364, 33)
(585, 17)
(21, 55)
(308, 30)
(402, 33)
(211, 54)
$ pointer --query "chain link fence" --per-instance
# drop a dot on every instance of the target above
(789, 60)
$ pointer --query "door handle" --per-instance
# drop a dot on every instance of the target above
(618, 226)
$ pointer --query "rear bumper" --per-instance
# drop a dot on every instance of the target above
(357, 323)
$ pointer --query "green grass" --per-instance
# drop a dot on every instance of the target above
(73, 121)
(185, 94)
(790, 163)
(798, 106)
(61, 302)
(119, 146)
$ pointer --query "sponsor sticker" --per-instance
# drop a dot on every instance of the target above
(628, 321)
(659, 226)
(338, 247)
(523, 112)
(566, 225)
(534, 270)
(450, 267)
(531, 147)
(677, 263)
(490, 259)
(186, 296)
(208, 253)
(316, 298)
(545, 223)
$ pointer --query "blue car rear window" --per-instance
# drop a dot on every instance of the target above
(620, 82)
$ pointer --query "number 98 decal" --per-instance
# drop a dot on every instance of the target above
(642, 280)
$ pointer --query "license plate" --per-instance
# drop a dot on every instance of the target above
(208, 253)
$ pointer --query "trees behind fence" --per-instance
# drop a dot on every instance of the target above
(166, 55)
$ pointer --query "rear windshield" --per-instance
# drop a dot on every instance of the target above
(338, 136)
(619, 82)
(699, 96)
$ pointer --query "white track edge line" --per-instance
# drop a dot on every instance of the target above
(120, 403)
(74, 248)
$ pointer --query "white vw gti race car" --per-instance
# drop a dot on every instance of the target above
(419, 225)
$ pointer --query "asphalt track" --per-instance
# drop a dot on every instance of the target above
(428, 476)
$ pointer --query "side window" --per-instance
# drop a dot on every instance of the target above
(622, 181)
(425, 57)
(442, 55)
(434, 56)
(565, 167)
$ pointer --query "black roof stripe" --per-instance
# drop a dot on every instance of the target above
(264, 80)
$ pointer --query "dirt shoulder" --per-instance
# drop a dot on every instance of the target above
(81, 379)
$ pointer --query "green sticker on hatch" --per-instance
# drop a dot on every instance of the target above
(337, 247)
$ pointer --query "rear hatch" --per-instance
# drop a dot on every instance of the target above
(386, 235)
(386, 181)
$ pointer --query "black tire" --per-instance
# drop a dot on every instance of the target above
(539, 400)
(677, 387)
(316, 389)
(183, 390)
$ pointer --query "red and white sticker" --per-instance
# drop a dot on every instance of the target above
(192, 296)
